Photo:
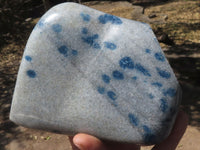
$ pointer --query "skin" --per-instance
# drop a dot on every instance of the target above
(83, 141)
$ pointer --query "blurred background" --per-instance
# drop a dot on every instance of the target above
(176, 24)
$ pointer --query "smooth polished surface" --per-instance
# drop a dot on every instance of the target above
(91, 72)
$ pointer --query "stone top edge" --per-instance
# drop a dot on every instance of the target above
(73, 4)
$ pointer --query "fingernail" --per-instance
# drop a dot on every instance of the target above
(78, 145)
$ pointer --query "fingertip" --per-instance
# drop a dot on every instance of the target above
(78, 141)
(87, 142)
(72, 143)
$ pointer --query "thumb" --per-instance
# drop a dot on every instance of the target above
(87, 142)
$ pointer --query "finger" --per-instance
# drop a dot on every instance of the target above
(87, 142)
(176, 134)
(72, 144)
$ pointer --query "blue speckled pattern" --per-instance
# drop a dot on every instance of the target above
(87, 71)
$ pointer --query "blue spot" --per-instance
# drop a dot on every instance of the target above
(171, 92)
(151, 96)
(146, 129)
(84, 30)
(63, 50)
(149, 137)
(96, 46)
(101, 90)
(126, 62)
(106, 78)
(31, 73)
(112, 95)
(170, 116)
(85, 17)
(157, 84)
(163, 73)
(40, 23)
(159, 56)
(74, 52)
(163, 105)
(134, 78)
(111, 46)
(118, 75)
(91, 41)
(109, 18)
(143, 70)
(133, 120)
(28, 58)
(57, 28)
(148, 51)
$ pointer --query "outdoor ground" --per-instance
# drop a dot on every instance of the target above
(179, 19)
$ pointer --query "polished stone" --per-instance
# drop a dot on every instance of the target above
(87, 71)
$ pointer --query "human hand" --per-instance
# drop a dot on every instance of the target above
(87, 142)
